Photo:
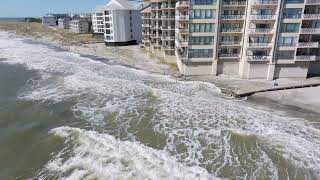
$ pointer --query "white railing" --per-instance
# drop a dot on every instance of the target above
(316, 2)
(182, 4)
(167, 17)
(229, 42)
(167, 27)
(310, 30)
(232, 16)
(167, 6)
(259, 58)
(229, 55)
(231, 30)
(183, 17)
(167, 37)
(259, 16)
(260, 44)
(234, 3)
(182, 43)
(305, 58)
(308, 44)
(311, 16)
(260, 30)
(265, 2)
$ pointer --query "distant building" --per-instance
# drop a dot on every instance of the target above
(80, 25)
(64, 22)
(97, 20)
(122, 23)
(52, 19)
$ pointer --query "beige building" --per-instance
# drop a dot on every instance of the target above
(251, 39)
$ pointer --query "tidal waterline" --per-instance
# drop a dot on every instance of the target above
(69, 116)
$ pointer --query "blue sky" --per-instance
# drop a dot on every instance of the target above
(37, 8)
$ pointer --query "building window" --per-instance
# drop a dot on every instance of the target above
(200, 53)
(261, 11)
(202, 27)
(107, 13)
(202, 14)
(292, 13)
(201, 40)
(285, 54)
(258, 39)
(290, 27)
(288, 41)
(203, 2)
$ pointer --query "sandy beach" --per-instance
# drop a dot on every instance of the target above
(134, 56)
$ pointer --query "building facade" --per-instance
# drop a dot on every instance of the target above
(122, 23)
(64, 23)
(251, 39)
(52, 19)
(97, 20)
(80, 25)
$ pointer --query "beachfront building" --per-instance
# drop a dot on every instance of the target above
(122, 23)
(97, 21)
(52, 19)
(253, 39)
(64, 23)
(80, 25)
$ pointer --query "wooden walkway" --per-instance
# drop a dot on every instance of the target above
(250, 93)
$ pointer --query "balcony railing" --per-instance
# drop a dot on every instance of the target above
(262, 17)
(305, 58)
(260, 45)
(182, 42)
(315, 2)
(168, 6)
(234, 3)
(259, 58)
(265, 2)
(232, 16)
(231, 30)
(183, 17)
(145, 17)
(308, 44)
(311, 16)
(167, 27)
(145, 25)
(310, 30)
(168, 38)
(182, 4)
(229, 55)
(229, 42)
(167, 17)
(260, 30)
(183, 30)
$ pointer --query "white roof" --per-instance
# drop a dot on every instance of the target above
(119, 4)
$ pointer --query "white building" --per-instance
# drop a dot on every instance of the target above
(97, 20)
(64, 22)
(122, 23)
(80, 25)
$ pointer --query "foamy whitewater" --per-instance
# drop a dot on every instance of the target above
(145, 126)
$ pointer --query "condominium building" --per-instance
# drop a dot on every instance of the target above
(64, 22)
(122, 23)
(97, 20)
(52, 19)
(251, 39)
(80, 25)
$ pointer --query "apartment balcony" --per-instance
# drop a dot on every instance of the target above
(155, 27)
(146, 40)
(153, 17)
(305, 58)
(234, 3)
(311, 16)
(265, 2)
(167, 17)
(167, 38)
(263, 17)
(167, 28)
(228, 55)
(146, 17)
(231, 30)
(168, 6)
(145, 33)
(260, 45)
(182, 4)
(261, 31)
(312, 2)
(183, 18)
(310, 30)
(183, 30)
(230, 43)
(167, 48)
(146, 25)
(308, 45)
(232, 16)
(182, 43)
(259, 58)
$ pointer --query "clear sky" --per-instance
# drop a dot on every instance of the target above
(37, 8)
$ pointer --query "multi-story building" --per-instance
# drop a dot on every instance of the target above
(64, 22)
(122, 23)
(249, 38)
(80, 25)
(52, 19)
(97, 20)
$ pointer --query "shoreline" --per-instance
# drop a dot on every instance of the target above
(134, 57)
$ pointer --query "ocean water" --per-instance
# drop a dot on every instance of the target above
(67, 116)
